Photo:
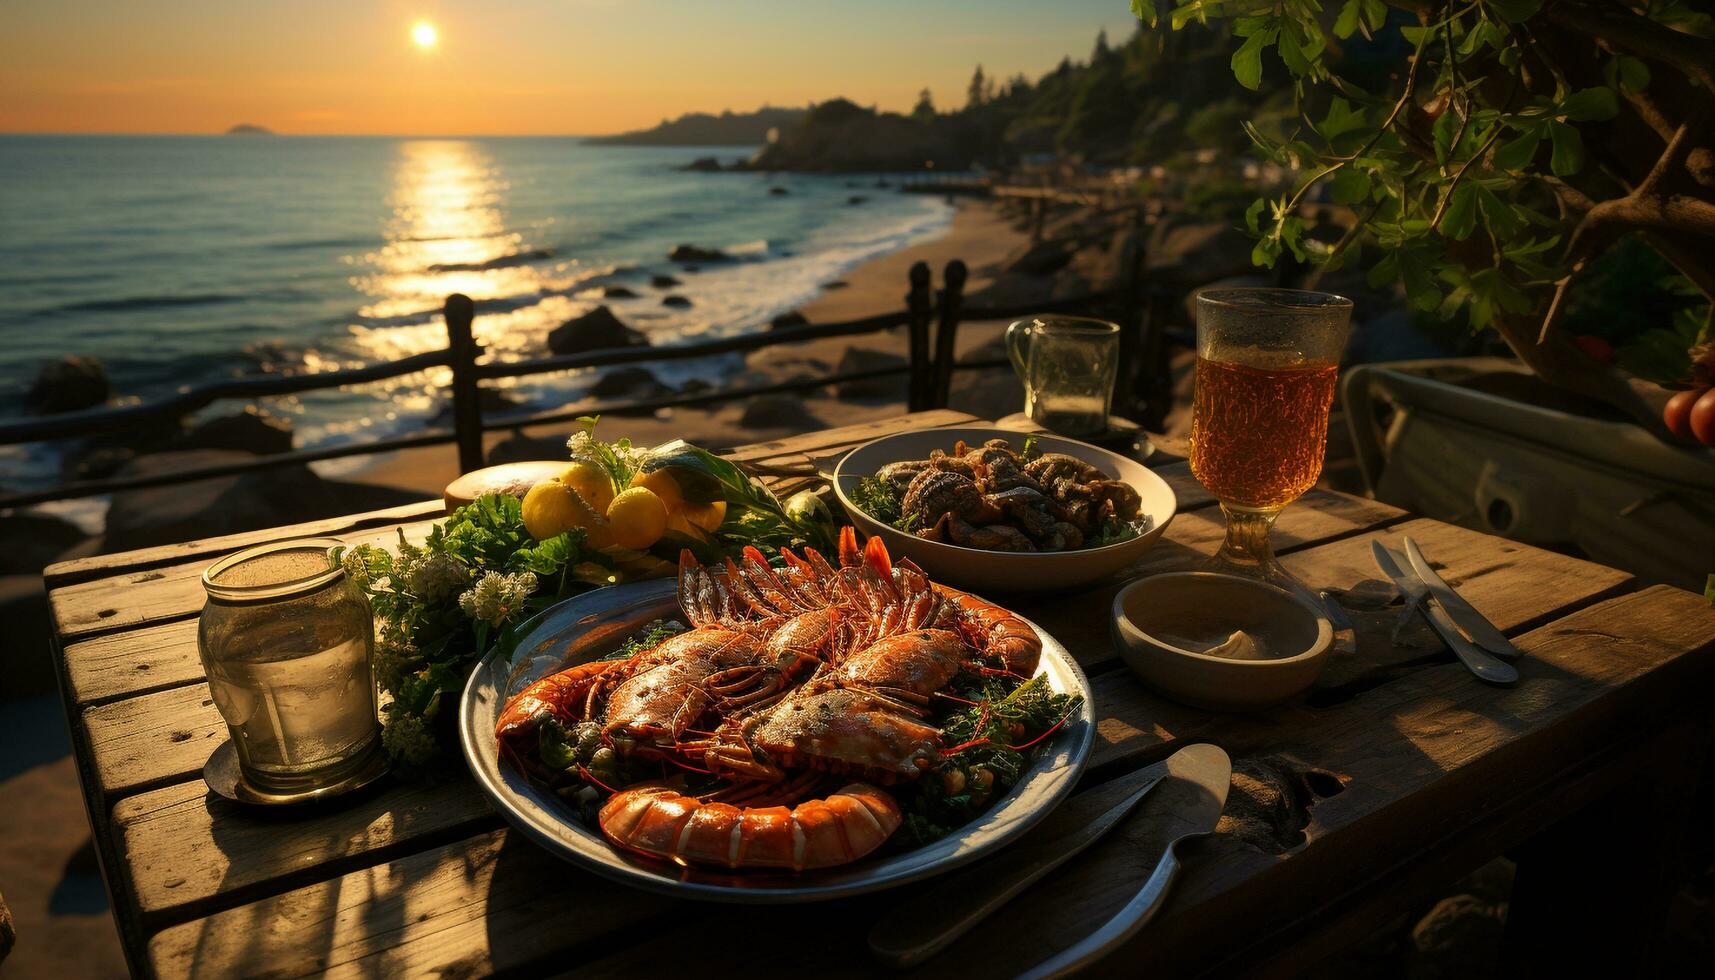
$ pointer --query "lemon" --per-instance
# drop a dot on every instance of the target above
(662, 485)
(637, 518)
(705, 516)
(591, 482)
(552, 508)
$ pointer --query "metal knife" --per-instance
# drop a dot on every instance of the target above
(1477, 626)
(1486, 668)
(1197, 777)
(927, 924)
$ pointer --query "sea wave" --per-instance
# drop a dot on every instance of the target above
(144, 303)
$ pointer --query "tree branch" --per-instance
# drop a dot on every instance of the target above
(1613, 24)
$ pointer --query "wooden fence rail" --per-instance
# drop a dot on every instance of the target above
(931, 317)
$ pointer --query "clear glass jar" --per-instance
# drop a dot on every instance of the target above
(286, 641)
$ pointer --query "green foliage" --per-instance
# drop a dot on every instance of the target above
(1454, 167)
(988, 763)
(440, 605)
(878, 498)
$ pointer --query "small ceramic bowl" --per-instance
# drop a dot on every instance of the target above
(1164, 624)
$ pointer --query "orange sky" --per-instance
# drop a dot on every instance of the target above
(503, 66)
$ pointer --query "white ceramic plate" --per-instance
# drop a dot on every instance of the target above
(977, 570)
(591, 625)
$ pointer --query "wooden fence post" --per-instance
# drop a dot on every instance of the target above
(1131, 390)
(946, 332)
(467, 408)
(919, 302)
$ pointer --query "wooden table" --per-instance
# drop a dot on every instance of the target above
(1401, 773)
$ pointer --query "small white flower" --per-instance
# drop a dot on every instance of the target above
(437, 577)
(407, 739)
(497, 598)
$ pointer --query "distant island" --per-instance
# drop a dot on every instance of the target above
(249, 129)
(705, 129)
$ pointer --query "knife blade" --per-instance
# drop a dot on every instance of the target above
(1486, 668)
(1477, 626)
(1197, 780)
(923, 926)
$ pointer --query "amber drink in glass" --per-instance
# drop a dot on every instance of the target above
(1267, 360)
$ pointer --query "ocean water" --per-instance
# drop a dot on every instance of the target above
(180, 259)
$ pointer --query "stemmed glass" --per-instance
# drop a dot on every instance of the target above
(1266, 365)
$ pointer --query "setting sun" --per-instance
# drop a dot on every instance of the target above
(424, 35)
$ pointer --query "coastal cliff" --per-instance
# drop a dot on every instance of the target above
(706, 129)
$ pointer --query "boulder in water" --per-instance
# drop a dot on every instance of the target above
(679, 302)
(775, 412)
(778, 192)
(787, 320)
(663, 282)
(596, 330)
(857, 359)
(696, 253)
(70, 384)
(618, 292)
(249, 431)
(703, 165)
(628, 382)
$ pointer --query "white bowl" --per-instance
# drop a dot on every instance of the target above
(1154, 617)
(977, 570)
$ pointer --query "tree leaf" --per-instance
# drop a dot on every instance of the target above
(1568, 148)
(1144, 10)
(1517, 153)
(1460, 218)
(1634, 73)
(1265, 252)
(1253, 213)
(1498, 214)
(1344, 24)
(1446, 127)
(1349, 186)
(1247, 60)
(1341, 119)
(1591, 105)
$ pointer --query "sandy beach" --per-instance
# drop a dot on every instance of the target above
(979, 235)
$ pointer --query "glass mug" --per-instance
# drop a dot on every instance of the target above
(1068, 365)
(286, 641)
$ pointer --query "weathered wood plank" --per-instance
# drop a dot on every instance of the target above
(100, 566)
(492, 902)
(828, 440)
(153, 738)
(1515, 585)
(183, 846)
(118, 665)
